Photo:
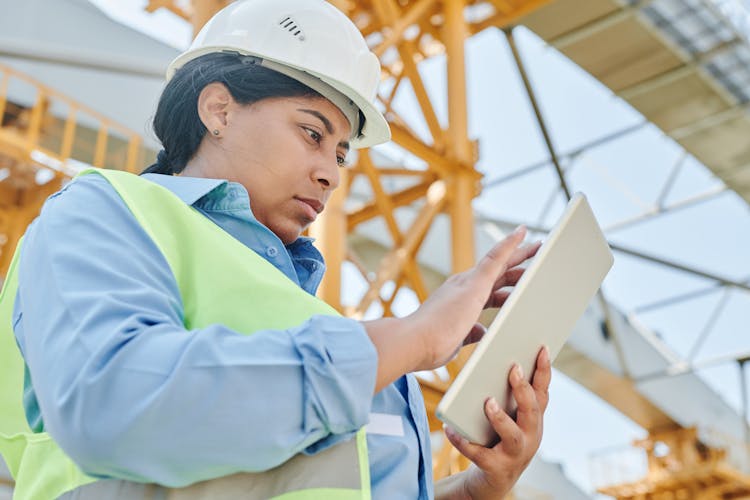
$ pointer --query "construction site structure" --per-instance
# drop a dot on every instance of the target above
(679, 466)
(41, 131)
(45, 135)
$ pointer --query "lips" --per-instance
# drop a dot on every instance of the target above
(313, 205)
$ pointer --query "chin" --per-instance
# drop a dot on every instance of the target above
(288, 230)
(288, 236)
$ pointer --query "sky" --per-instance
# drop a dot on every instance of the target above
(622, 179)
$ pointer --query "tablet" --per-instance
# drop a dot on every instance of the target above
(542, 310)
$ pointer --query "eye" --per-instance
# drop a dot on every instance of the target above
(341, 160)
(314, 134)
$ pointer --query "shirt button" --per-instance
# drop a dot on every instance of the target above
(272, 251)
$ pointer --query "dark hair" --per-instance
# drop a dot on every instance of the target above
(177, 123)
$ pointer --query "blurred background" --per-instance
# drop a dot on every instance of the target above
(500, 110)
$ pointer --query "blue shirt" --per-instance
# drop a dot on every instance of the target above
(127, 392)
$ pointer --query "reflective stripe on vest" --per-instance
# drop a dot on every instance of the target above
(314, 474)
(185, 237)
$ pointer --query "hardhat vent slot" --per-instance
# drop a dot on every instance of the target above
(291, 26)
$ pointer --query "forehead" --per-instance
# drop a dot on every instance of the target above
(317, 108)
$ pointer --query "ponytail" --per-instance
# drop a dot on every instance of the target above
(161, 166)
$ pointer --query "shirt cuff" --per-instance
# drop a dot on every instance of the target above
(340, 367)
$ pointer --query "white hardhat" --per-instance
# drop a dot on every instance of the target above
(310, 41)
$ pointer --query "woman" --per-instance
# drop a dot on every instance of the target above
(165, 353)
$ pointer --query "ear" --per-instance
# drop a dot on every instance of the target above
(213, 104)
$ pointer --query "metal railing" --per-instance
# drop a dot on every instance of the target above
(41, 119)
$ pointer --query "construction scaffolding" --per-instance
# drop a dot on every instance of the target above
(681, 63)
(41, 131)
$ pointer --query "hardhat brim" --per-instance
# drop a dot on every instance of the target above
(375, 129)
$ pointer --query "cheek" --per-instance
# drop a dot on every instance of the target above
(281, 155)
(257, 139)
(291, 165)
(270, 160)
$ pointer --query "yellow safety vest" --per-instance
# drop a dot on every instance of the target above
(185, 237)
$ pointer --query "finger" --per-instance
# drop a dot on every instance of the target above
(514, 273)
(476, 334)
(511, 437)
(528, 414)
(542, 378)
(509, 277)
(474, 452)
(497, 298)
(524, 252)
(495, 262)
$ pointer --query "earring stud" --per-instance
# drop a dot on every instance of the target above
(216, 131)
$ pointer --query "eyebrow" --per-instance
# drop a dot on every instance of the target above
(326, 123)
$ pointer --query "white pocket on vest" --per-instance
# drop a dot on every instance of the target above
(385, 424)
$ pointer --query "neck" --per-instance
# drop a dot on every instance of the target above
(207, 162)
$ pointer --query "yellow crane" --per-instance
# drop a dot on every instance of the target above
(403, 32)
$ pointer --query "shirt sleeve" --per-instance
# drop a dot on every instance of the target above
(128, 392)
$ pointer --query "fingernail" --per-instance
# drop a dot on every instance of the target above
(519, 373)
(519, 229)
(493, 406)
(545, 354)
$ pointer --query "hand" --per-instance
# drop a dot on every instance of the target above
(497, 469)
(448, 318)
(430, 336)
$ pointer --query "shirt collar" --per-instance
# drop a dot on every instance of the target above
(192, 189)
(188, 189)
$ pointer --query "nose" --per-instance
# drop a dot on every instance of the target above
(327, 173)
